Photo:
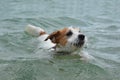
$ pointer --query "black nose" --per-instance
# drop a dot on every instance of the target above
(81, 36)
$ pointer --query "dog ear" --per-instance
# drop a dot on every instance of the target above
(53, 36)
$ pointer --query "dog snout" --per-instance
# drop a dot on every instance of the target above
(81, 36)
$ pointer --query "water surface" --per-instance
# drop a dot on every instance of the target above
(21, 60)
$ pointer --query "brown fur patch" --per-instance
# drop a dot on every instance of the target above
(58, 37)
(42, 33)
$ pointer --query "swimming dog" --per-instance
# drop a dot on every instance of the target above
(67, 40)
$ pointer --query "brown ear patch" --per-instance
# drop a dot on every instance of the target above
(58, 37)
(53, 36)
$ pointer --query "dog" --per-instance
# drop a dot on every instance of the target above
(67, 40)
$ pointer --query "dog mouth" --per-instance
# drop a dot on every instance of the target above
(78, 44)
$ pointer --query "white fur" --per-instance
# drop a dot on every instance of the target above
(45, 44)
(33, 30)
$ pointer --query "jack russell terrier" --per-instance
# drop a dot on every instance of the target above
(66, 40)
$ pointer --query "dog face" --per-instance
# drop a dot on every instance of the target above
(68, 36)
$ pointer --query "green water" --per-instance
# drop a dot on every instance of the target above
(98, 19)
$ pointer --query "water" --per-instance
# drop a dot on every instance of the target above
(98, 19)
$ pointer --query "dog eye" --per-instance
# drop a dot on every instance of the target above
(69, 33)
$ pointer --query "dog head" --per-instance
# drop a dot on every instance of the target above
(68, 36)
